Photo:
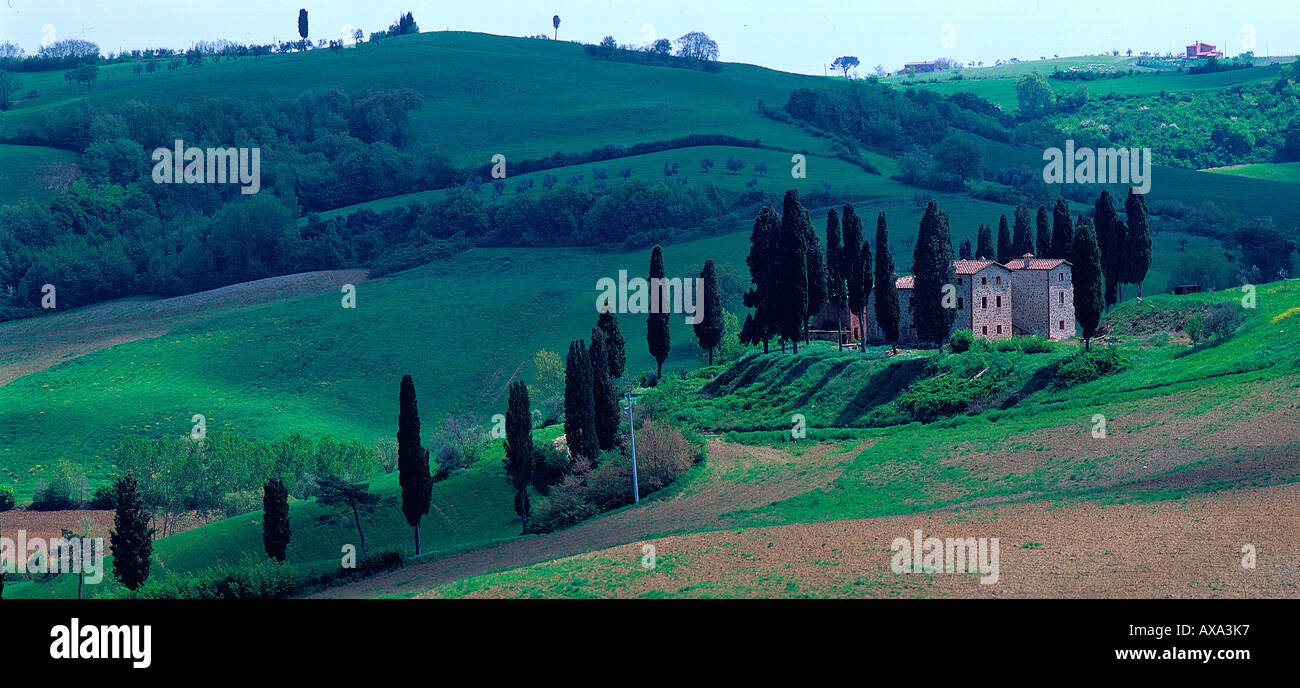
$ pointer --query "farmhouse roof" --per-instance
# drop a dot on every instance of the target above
(1029, 262)
(970, 267)
(905, 282)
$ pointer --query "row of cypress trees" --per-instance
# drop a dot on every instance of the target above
(1125, 248)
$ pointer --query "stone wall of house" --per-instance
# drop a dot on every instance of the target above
(1061, 295)
(1044, 301)
(987, 299)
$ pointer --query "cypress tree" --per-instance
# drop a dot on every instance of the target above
(519, 447)
(762, 266)
(964, 252)
(817, 289)
(792, 271)
(932, 269)
(857, 283)
(656, 333)
(275, 519)
(1110, 242)
(984, 244)
(614, 343)
(886, 289)
(579, 403)
(412, 460)
(1022, 236)
(1062, 232)
(1087, 278)
(1005, 248)
(1044, 234)
(604, 398)
(708, 331)
(865, 269)
(1137, 241)
(131, 538)
(836, 282)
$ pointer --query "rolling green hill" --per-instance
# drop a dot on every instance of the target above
(1288, 172)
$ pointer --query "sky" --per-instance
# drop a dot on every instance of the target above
(797, 36)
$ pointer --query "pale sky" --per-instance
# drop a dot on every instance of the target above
(798, 36)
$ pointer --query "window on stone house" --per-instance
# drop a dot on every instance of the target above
(999, 302)
(984, 280)
(999, 329)
(960, 301)
(999, 279)
(986, 329)
(1060, 277)
(1062, 295)
(1061, 326)
(984, 302)
(958, 281)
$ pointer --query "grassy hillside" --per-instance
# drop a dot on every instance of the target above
(483, 94)
(1288, 172)
(1001, 91)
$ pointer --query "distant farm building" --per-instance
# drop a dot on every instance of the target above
(921, 67)
(1027, 296)
(1198, 50)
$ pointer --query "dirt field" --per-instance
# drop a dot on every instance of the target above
(1177, 549)
(33, 344)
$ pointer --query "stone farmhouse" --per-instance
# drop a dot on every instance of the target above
(1027, 296)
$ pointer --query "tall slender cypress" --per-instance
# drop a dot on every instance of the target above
(1005, 247)
(614, 344)
(1137, 242)
(1062, 232)
(656, 333)
(817, 289)
(932, 270)
(412, 460)
(792, 273)
(131, 537)
(1044, 227)
(603, 397)
(579, 403)
(836, 282)
(886, 289)
(275, 519)
(964, 250)
(708, 331)
(851, 263)
(519, 447)
(984, 249)
(1022, 235)
(1087, 279)
(1110, 242)
(762, 262)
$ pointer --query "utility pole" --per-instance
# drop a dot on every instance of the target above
(631, 428)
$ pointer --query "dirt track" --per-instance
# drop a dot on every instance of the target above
(702, 505)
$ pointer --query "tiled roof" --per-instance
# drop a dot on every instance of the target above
(1032, 263)
(905, 282)
(970, 267)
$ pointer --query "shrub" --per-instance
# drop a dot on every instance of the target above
(67, 488)
(7, 499)
(1087, 366)
(250, 580)
(960, 341)
(1222, 321)
(241, 502)
(936, 397)
(663, 455)
(565, 505)
(104, 499)
(550, 465)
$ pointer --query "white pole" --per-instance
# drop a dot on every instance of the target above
(636, 491)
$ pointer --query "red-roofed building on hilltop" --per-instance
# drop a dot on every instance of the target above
(1198, 50)
(1026, 296)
